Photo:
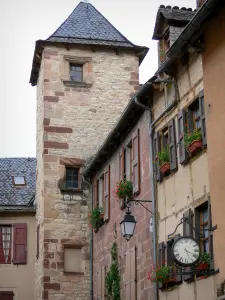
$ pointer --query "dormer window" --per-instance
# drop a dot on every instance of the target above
(76, 72)
(19, 181)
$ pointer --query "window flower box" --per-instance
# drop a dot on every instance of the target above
(194, 147)
(193, 142)
(124, 190)
(165, 168)
(164, 159)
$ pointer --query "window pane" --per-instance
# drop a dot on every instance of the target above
(5, 247)
(72, 178)
(127, 163)
(19, 180)
(100, 192)
(76, 72)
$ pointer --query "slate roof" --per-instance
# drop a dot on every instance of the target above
(86, 26)
(176, 16)
(11, 195)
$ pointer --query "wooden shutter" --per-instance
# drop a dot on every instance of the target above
(172, 145)
(107, 194)
(37, 242)
(211, 253)
(136, 162)
(133, 274)
(202, 117)
(20, 244)
(181, 132)
(95, 193)
(161, 254)
(157, 148)
(99, 283)
(188, 223)
(103, 283)
(170, 261)
(122, 164)
(6, 295)
(127, 276)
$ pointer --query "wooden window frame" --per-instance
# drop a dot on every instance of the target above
(107, 194)
(103, 186)
(78, 181)
(73, 64)
(19, 185)
(10, 256)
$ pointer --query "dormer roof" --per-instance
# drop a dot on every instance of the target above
(85, 26)
(173, 16)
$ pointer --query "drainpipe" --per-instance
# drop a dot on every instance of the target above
(91, 242)
(152, 179)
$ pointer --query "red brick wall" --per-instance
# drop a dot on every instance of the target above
(111, 232)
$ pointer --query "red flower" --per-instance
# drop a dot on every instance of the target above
(149, 277)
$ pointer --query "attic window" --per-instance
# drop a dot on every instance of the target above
(19, 180)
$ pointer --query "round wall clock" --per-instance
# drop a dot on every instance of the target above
(186, 251)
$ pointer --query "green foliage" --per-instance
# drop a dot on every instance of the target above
(204, 258)
(161, 274)
(221, 289)
(96, 218)
(124, 189)
(164, 156)
(189, 138)
(112, 281)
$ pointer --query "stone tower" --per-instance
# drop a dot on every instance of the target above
(85, 73)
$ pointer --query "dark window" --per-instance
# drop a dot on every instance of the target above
(5, 244)
(76, 72)
(72, 178)
(193, 117)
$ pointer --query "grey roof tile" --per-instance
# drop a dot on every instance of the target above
(174, 16)
(87, 23)
(9, 194)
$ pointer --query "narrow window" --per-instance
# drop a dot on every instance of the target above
(72, 178)
(194, 118)
(5, 244)
(128, 159)
(76, 72)
(19, 180)
(100, 191)
(202, 222)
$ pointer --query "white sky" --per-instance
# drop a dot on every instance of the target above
(22, 22)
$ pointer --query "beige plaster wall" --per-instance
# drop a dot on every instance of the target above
(20, 278)
(188, 187)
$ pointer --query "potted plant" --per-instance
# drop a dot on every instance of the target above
(164, 161)
(193, 141)
(124, 189)
(96, 218)
(161, 275)
(204, 261)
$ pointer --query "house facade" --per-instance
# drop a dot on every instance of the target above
(125, 155)
(17, 228)
(85, 73)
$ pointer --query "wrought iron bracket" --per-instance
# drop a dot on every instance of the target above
(182, 220)
(196, 271)
(137, 202)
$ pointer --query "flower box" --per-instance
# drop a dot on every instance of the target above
(194, 147)
(203, 266)
(165, 168)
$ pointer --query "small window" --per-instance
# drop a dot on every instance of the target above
(202, 223)
(76, 72)
(128, 162)
(19, 180)
(194, 117)
(73, 262)
(100, 191)
(72, 178)
(5, 244)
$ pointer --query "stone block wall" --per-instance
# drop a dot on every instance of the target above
(72, 122)
(111, 231)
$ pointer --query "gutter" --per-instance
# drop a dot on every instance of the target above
(193, 26)
(91, 242)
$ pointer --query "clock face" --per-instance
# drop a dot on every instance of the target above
(186, 251)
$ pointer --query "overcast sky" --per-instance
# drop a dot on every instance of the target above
(25, 21)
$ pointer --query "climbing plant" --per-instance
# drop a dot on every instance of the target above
(112, 280)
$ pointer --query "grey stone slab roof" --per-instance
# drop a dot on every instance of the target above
(17, 196)
(85, 26)
(87, 23)
(174, 16)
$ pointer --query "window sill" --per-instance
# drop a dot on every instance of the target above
(71, 190)
(73, 273)
(71, 83)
